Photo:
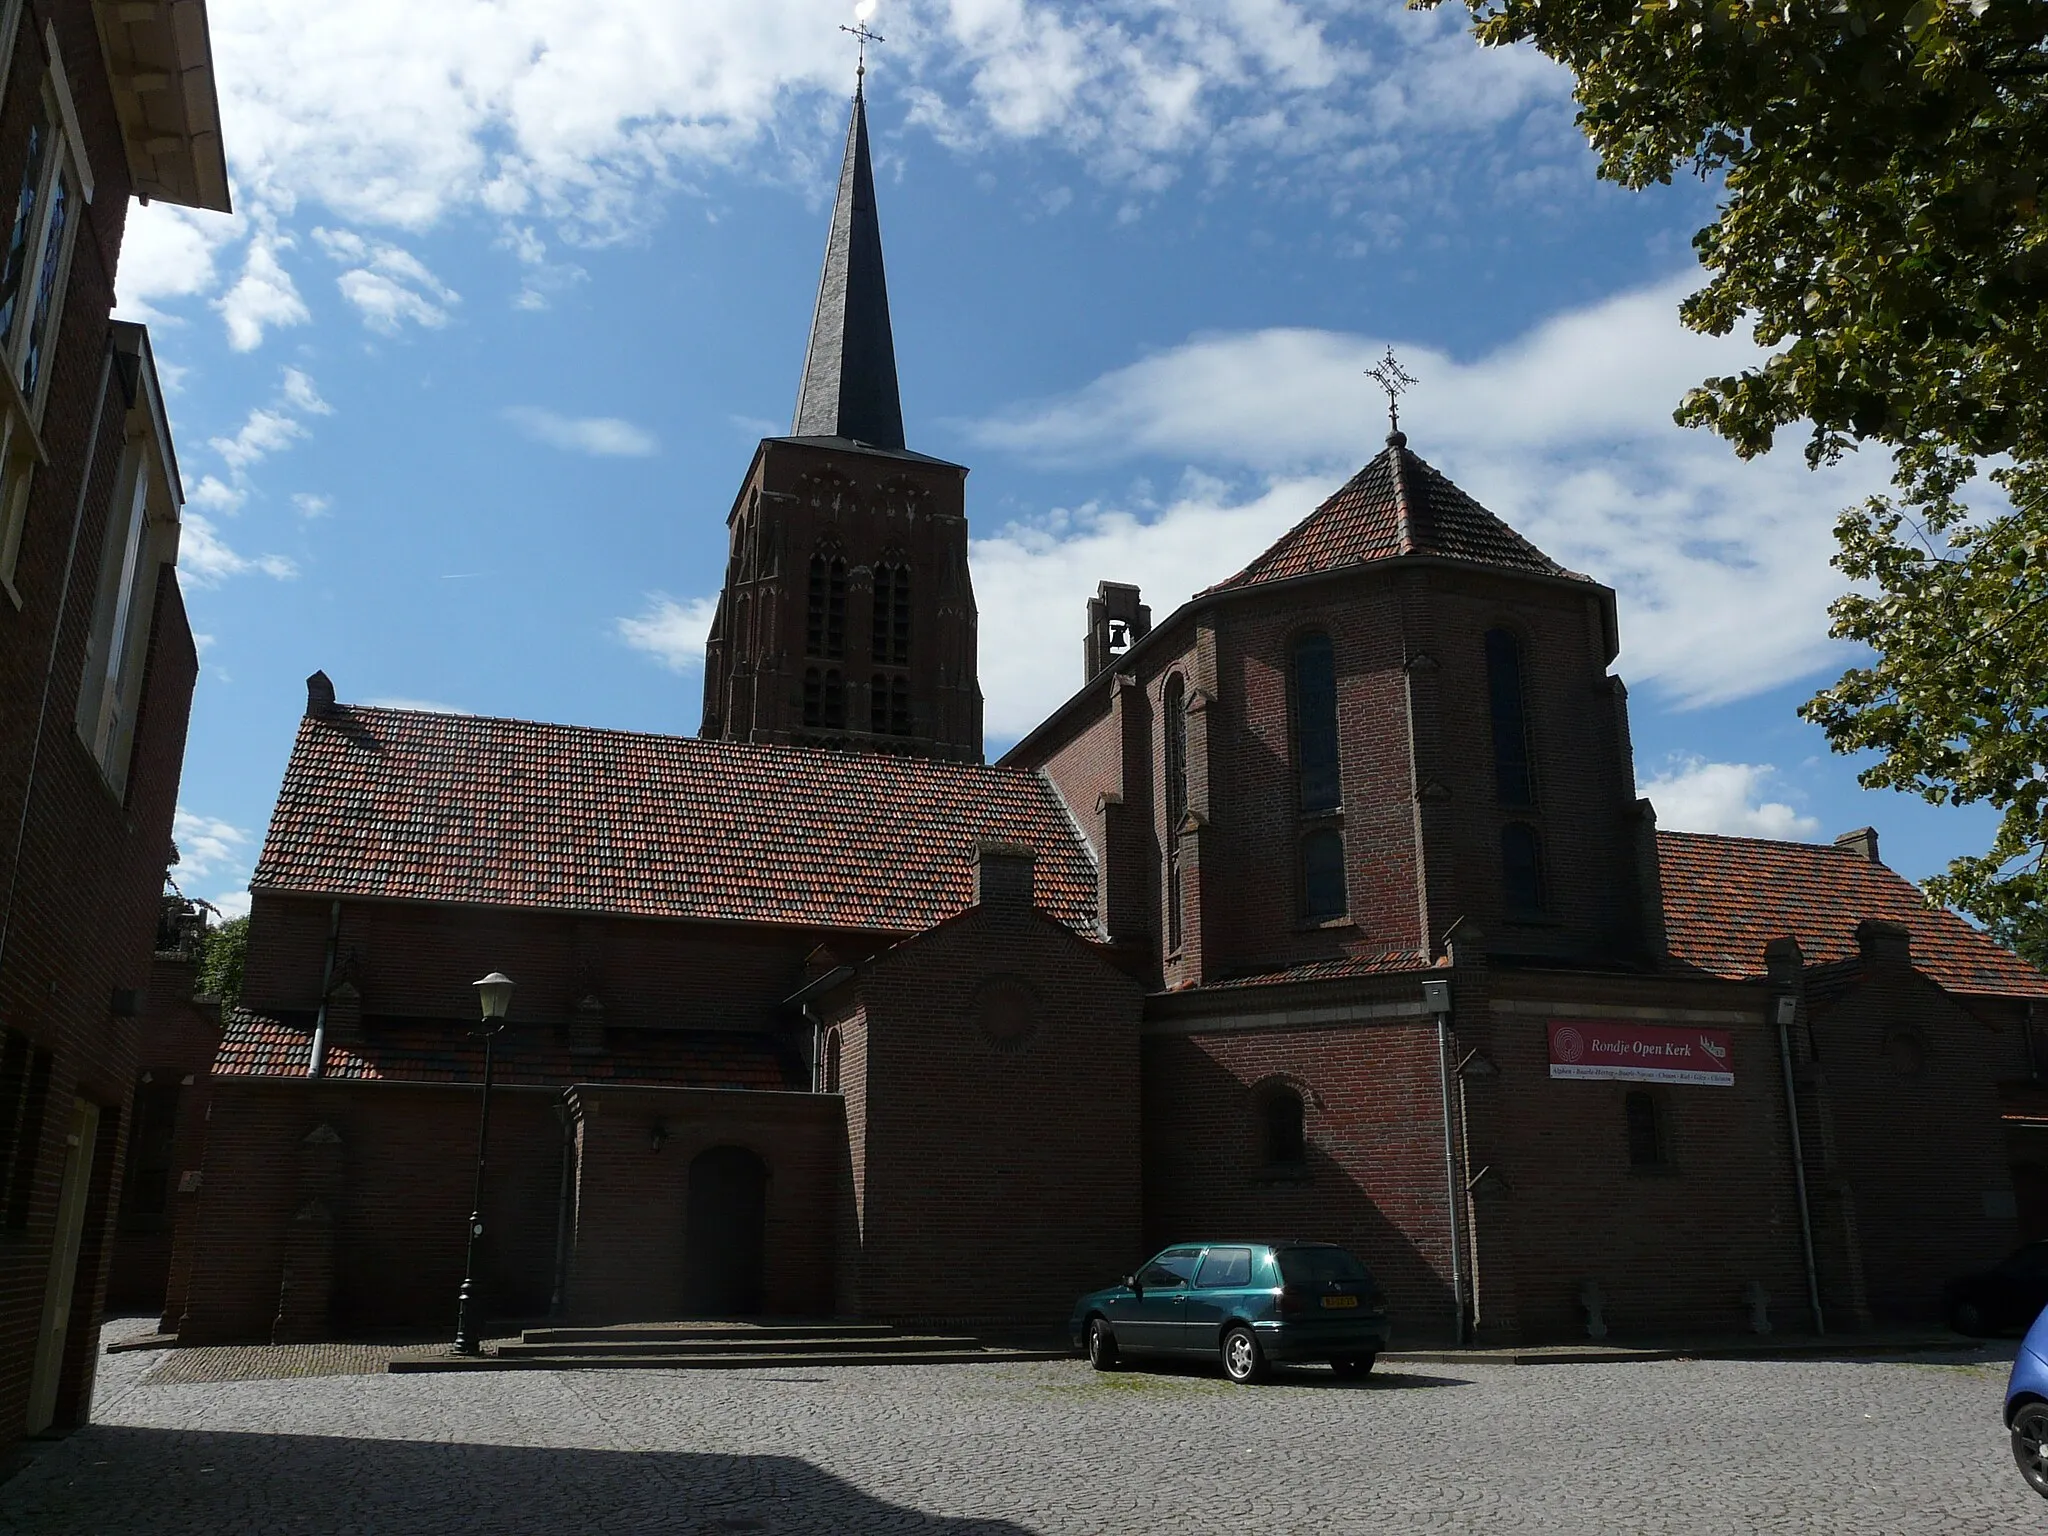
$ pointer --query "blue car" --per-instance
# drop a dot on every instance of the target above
(2026, 1407)
(1245, 1304)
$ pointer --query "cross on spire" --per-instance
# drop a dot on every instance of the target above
(859, 30)
(1396, 381)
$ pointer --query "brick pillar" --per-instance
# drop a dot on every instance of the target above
(305, 1297)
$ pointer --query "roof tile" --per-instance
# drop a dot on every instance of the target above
(409, 805)
(1726, 897)
(1396, 505)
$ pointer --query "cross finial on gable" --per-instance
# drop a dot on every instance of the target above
(859, 30)
(1396, 381)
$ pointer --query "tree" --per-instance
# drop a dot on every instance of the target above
(220, 970)
(1882, 227)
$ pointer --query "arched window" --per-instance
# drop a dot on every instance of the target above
(1521, 868)
(1322, 874)
(878, 704)
(1173, 704)
(899, 707)
(814, 697)
(832, 1061)
(1512, 781)
(891, 632)
(835, 701)
(1280, 1127)
(1645, 1131)
(825, 618)
(1315, 723)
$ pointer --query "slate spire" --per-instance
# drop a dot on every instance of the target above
(849, 384)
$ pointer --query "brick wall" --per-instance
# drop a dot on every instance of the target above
(80, 905)
(998, 1122)
(632, 1198)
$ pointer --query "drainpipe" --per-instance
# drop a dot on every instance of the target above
(35, 750)
(1785, 1006)
(316, 1064)
(1436, 997)
(817, 1048)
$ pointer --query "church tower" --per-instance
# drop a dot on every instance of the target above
(847, 619)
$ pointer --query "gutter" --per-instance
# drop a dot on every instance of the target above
(316, 1060)
(1784, 1008)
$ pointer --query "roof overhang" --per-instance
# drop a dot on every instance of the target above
(159, 60)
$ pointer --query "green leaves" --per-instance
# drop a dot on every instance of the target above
(1882, 231)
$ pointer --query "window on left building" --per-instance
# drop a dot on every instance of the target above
(42, 229)
(141, 539)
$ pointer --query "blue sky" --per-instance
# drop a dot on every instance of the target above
(463, 391)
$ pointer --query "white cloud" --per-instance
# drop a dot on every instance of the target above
(264, 296)
(298, 392)
(205, 560)
(207, 845)
(673, 633)
(601, 436)
(387, 284)
(216, 495)
(1694, 795)
(1566, 433)
(167, 252)
(231, 904)
(306, 504)
(264, 433)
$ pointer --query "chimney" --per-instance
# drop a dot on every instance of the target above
(319, 696)
(1884, 943)
(1116, 622)
(1003, 878)
(1862, 842)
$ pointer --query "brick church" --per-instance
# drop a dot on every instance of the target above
(1325, 906)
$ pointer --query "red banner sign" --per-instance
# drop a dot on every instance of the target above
(1642, 1053)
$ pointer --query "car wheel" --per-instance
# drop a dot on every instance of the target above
(1967, 1317)
(1243, 1360)
(1101, 1345)
(2030, 1445)
(1351, 1367)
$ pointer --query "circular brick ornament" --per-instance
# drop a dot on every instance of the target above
(1006, 1012)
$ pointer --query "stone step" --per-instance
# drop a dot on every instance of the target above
(683, 1345)
(659, 1333)
(568, 1361)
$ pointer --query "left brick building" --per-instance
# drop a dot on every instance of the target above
(98, 104)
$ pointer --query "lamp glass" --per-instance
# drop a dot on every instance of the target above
(494, 994)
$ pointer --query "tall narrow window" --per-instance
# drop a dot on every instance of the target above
(835, 701)
(1173, 704)
(1280, 1116)
(899, 707)
(1645, 1133)
(49, 276)
(814, 697)
(14, 274)
(1510, 726)
(832, 1054)
(878, 705)
(1521, 868)
(1315, 723)
(892, 614)
(1322, 874)
(825, 616)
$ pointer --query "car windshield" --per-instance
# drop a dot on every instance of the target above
(1320, 1266)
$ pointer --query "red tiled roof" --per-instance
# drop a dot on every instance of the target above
(456, 808)
(258, 1045)
(1396, 505)
(1387, 963)
(1726, 897)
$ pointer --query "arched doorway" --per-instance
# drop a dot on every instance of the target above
(722, 1233)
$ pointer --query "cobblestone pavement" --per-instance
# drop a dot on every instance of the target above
(1806, 1446)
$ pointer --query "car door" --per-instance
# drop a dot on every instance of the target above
(1216, 1294)
(1155, 1313)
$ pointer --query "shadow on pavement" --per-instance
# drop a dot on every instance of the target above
(112, 1480)
(1316, 1377)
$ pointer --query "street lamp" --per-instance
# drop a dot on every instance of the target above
(494, 997)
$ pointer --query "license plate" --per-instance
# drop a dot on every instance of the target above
(1335, 1302)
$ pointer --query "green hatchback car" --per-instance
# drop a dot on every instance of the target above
(1251, 1304)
